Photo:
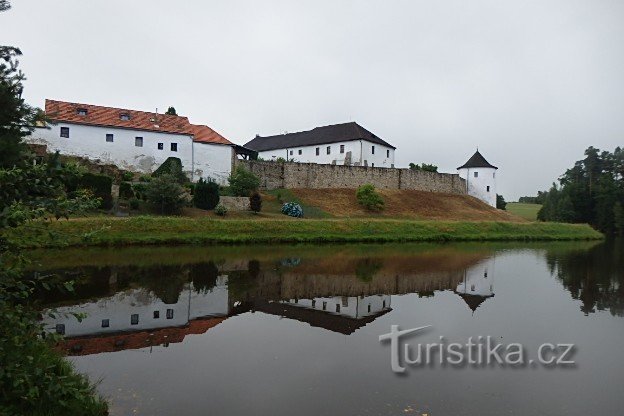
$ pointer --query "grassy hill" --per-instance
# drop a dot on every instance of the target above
(526, 211)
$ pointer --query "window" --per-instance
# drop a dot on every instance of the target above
(156, 314)
(318, 151)
(313, 303)
(300, 151)
(472, 287)
(296, 300)
(291, 152)
(82, 111)
(138, 141)
(493, 174)
(384, 304)
(476, 174)
(387, 153)
(372, 165)
(337, 308)
(324, 306)
(328, 150)
(342, 148)
(124, 116)
(65, 132)
(60, 329)
(161, 146)
(174, 147)
(485, 275)
(373, 150)
(488, 189)
(109, 138)
(169, 313)
(105, 323)
(345, 302)
(134, 319)
(369, 307)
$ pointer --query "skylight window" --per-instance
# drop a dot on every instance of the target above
(124, 116)
(82, 111)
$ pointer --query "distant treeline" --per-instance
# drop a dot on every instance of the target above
(590, 192)
(539, 199)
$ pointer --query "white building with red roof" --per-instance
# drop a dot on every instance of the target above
(138, 141)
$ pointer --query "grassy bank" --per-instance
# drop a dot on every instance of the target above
(180, 230)
(526, 211)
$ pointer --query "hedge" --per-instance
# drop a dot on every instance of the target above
(100, 185)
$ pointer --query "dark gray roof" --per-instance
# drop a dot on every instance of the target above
(320, 135)
(477, 161)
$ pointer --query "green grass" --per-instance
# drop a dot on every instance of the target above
(285, 195)
(179, 230)
(526, 211)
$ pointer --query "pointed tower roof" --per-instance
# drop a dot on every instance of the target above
(477, 161)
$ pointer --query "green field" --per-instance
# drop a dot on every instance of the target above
(526, 211)
(182, 230)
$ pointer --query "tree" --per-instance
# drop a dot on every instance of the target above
(424, 167)
(171, 111)
(243, 182)
(206, 194)
(165, 194)
(500, 202)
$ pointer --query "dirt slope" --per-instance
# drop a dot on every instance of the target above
(405, 204)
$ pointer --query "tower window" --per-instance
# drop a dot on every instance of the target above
(476, 174)
(387, 153)
(373, 149)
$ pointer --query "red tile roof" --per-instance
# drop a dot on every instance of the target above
(134, 340)
(204, 134)
(62, 111)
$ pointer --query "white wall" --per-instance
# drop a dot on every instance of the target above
(361, 151)
(212, 161)
(350, 306)
(478, 186)
(200, 159)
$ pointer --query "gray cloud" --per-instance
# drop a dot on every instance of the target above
(532, 83)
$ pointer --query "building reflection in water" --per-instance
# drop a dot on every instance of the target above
(142, 311)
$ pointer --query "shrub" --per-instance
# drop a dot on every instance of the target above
(139, 190)
(221, 210)
(100, 186)
(368, 197)
(172, 166)
(165, 194)
(125, 190)
(255, 202)
(243, 182)
(292, 209)
(206, 194)
(134, 203)
(127, 176)
(145, 178)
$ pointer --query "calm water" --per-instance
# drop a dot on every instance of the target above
(294, 330)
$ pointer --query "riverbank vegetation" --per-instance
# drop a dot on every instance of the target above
(107, 231)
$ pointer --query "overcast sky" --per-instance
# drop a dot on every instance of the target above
(531, 83)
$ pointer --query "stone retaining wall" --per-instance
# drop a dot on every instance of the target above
(275, 175)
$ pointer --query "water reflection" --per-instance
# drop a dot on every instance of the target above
(129, 307)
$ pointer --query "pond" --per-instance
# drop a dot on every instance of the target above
(296, 330)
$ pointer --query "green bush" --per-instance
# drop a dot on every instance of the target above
(221, 210)
(206, 194)
(172, 166)
(139, 190)
(134, 203)
(127, 176)
(368, 197)
(165, 195)
(100, 186)
(243, 182)
(125, 190)
(255, 202)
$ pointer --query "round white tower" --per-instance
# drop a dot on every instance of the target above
(480, 178)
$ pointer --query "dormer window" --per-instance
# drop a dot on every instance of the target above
(124, 116)
(82, 111)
